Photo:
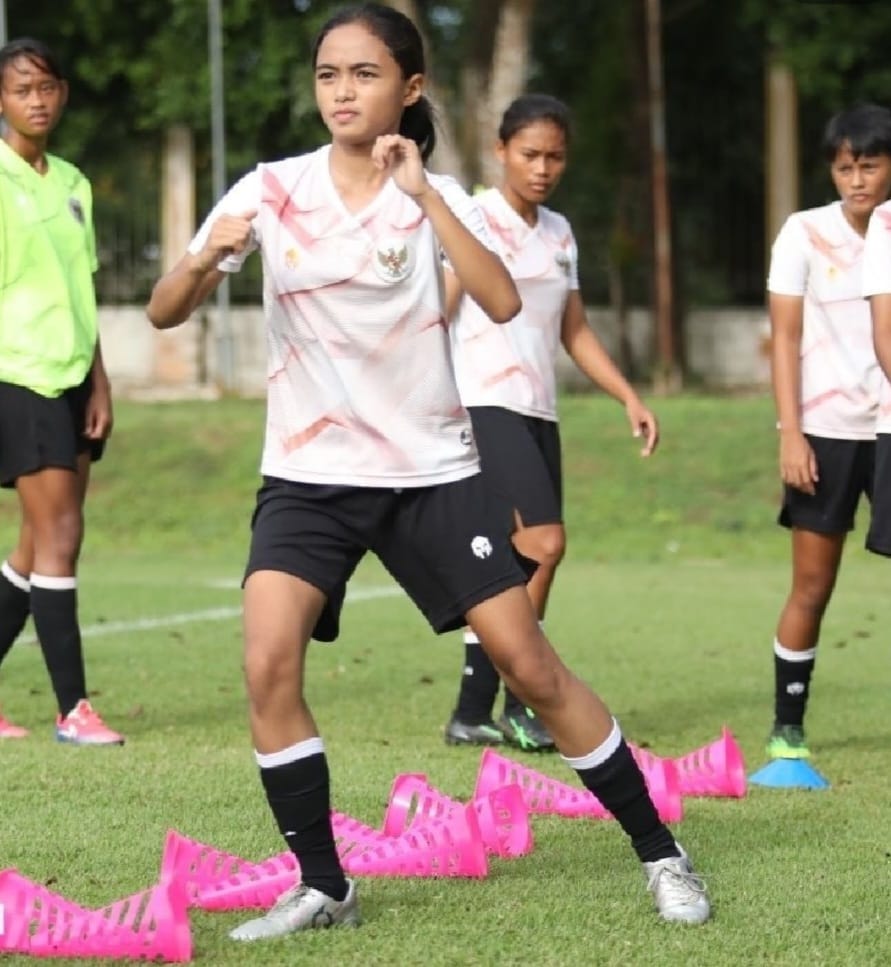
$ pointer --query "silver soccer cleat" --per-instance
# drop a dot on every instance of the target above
(302, 908)
(679, 894)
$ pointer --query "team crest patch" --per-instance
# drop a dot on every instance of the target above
(76, 209)
(563, 263)
(292, 258)
(392, 260)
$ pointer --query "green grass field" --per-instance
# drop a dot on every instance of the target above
(666, 603)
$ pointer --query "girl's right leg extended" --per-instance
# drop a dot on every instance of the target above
(591, 743)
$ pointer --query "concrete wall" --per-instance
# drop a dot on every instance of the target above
(724, 349)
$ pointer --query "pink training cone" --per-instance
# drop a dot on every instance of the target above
(545, 795)
(151, 925)
(195, 864)
(716, 769)
(254, 886)
(502, 816)
(259, 885)
(540, 793)
(663, 783)
(437, 847)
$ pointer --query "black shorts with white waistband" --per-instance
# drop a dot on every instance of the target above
(38, 432)
(520, 457)
(446, 545)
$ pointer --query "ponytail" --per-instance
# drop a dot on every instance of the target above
(418, 124)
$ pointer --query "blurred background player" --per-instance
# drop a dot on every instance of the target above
(826, 382)
(507, 379)
(55, 400)
(368, 448)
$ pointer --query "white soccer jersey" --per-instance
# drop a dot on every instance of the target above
(877, 281)
(513, 365)
(818, 255)
(361, 389)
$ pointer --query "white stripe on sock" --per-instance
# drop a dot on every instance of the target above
(788, 655)
(301, 750)
(470, 637)
(603, 751)
(14, 578)
(52, 583)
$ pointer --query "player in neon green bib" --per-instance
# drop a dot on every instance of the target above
(55, 401)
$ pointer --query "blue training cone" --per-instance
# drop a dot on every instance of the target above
(789, 774)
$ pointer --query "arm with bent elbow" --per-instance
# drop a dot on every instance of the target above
(180, 291)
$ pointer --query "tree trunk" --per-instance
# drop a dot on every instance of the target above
(667, 376)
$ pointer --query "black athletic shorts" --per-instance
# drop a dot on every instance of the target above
(878, 538)
(446, 545)
(520, 457)
(38, 432)
(845, 469)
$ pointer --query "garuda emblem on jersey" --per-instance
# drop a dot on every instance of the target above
(392, 260)
(563, 263)
(76, 209)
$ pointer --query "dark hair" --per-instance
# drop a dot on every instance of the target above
(529, 108)
(34, 50)
(865, 129)
(403, 40)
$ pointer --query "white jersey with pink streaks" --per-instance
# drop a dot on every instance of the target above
(361, 389)
(513, 365)
(877, 281)
(818, 255)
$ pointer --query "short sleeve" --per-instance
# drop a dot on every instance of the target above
(243, 196)
(573, 263)
(465, 208)
(789, 260)
(876, 268)
(92, 254)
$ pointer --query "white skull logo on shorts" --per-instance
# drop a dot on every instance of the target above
(481, 547)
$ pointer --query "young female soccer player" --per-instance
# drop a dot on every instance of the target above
(55, 401)
(368, 447)
(506, 378)
(826, 384)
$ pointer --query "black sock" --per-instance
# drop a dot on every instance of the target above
(15, 603)
(619, 784)
(479, 686)
(299, 795)
(792, 684)
(512, 705)
(54, 609)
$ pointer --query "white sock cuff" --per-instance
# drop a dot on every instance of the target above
(53, 583)
(14, 578)
(603, 751)
(470, 637)
(300, 750)
(788, 655)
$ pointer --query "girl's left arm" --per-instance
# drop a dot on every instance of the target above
(592, 359)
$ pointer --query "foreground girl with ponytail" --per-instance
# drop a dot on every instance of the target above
(369, 448)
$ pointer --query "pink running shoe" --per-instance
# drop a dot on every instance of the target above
(83, 726)
(10, 731)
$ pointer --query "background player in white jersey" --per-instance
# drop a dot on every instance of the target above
(506, 378)
(826, 384)
(368, 447)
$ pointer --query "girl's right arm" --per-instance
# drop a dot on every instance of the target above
(180, 291)
(798, 465)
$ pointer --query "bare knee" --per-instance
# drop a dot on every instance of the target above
(538, 678)
(57, 540)
(811, 591)
(545, 543)
(271, 670)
